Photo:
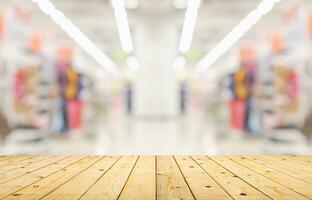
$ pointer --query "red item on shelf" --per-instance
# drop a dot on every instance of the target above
(2, 24)
(19, 79)
(310, 24)
(74, 113)
(277, 42)
(293, 84)
(237, 113)
(247, 53)
(65, 53)
(35, 42)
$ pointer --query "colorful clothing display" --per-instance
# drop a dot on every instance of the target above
(241, 105)
(70, 85)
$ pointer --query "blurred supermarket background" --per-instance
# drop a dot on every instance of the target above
(155, 77)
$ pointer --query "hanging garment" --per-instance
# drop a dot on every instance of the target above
(252, 122)
(58, 122)
(74, 113)
(240, 88)
(237, 114)
(72, 86)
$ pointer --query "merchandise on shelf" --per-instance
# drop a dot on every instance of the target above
(243, 115)
(67, 112)
(43, 88)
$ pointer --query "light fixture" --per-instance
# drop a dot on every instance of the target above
(122, 25)
(132, 63)
(189, 25)
(237, 32)
(80, 38)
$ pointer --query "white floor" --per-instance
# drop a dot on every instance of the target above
(161, 137)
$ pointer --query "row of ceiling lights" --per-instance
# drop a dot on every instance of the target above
(85, 43)
(234, 35)
(226, 43)
(191, 13)
(79, 37)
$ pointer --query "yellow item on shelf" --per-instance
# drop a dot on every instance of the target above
(71, 89)
(240, 86)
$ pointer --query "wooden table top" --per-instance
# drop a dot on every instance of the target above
(155, 177)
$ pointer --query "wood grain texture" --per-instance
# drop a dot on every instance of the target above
(202, 185)
(283, 168)
(142, 181)
(170, 181)
(297, 164)
(2, 158)
(41, 188)
(77, 186)
(292, 183)
(11, 160)
(155, 177)
(111, 184)
(22, 163)
(10, 175)
(235, 186)
(15, 184)
(269, 187)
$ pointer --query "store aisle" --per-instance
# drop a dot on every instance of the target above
(133, 136)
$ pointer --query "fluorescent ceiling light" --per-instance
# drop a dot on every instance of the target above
(189, 25)
(232, 37)
(123, 25)
(133, 63)
(80, 38)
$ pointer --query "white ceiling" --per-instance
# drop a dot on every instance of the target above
(96, 19)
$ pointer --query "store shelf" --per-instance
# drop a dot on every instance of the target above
(150, 177)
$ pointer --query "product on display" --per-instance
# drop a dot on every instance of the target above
(242, 84)
(45, 89)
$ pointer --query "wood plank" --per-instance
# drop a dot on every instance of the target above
(300, 157)
(42, 187)
(307, 160)
(170, 182)
(281, 167)
(236, 187)
(202, 185)
(111, 184)
(297, 185)
(2, 158)
(264, 184)
(17, 184)
(304, 160)
(142, 181)
(291, 163)
(13, 159)
(22, 163)
(4, 177)
(151, 178)
(75, 187)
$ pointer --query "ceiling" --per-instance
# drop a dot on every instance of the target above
(96, 19)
